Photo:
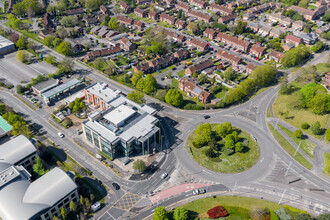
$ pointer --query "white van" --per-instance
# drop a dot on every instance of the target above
(96, 206)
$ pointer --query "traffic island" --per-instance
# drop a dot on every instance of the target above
(223, 148)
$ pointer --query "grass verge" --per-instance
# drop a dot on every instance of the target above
(289, 148)
(268, 113)
(26, 103)
(305, 145)
(327, 164)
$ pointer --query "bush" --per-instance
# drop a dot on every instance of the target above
(217, 212)
(191, 106)
(305, 125)
(298, 133)
(210, 153)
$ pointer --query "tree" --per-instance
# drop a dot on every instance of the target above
(203, 134)
(320, 103)
(113, 23)
(318, 46)
(23, 56)
(93, 4)
(66, 66)
(160, 214)
(316, 128)
(239, 147)
(223, 129)
(303, 216)
(69, 21)
(161, 94)
(22, 42)
(327, 134)
(38, 167)
(210, 153)
(140, 84)
(99, 63)
(57, 41)
(139, 165)
(65, 48)
(308, 91)
(51, 59)
(305, 125)
(136, 76)
(49, 41)
(174, 97)
(229, 143)
(202, 78)
(64, 213)
(87, 204)
(228, 74)
(55, 218)
(31, 45)
(295, 56)
(135, 96)
(81, 200)
(240, 27)
(193, 27)
(324, 216)
(19, 89)
(298, 133)
(326, 18)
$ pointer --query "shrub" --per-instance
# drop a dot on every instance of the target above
(305, 125)
(210, 153)
(316, 128)
(217, 212)
(298, 133)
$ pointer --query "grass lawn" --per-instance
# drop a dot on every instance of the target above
(297, 116)
(268, 113)
(221, 94)
(188, 32)
(312, 7)
(205, 38)
(327, 163)
(165, 24)
(289, 148)
(26, 33)
(234, 163)
(237, 207)
(132, 15)
(323, 67)
(305, 145)
(163, 70)
(181, 73)
(175, 83)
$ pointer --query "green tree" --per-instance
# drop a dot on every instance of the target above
(87, 204)
(239, 147)
(160, 214)
(308, 91)
(49, 41)
(38, 167)
(31, 45)
(113, 23)
(303, 216)
(136, 77)
(57, 41)
(202, 78)
(161, 94)
(193, 27)
(316, 128)
(174, 97)
(64, 213)
(203, 134)
(140, 84)
(23, 56)
(305, 125)
(139, 165)
(298, 133)
(51, 59)
(229, 143)
(318, 46)
(320, 103)
(223, 129)
(295, 56)
(65, 48)
(69, 21)
(327, 134)
(19, 89)
(55, 218)
(210, 153)
(22, 42)
(324, 216)
(135, 96)
(66, 66)
(240, 27)
(99, 63)
(229, 74)
(326, 18)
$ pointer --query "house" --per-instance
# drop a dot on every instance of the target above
(143, 2)
(264, 31)
(275, 32)
(308, 38)
(278, 17)
(276, 56)
(233, 59)
(104, 52)
(125, 7)
(250, 67)
(156, 64)
(171, 34)
(257, 50)
(199, 15)
(326, 80)
(288, 46)
(125, 20)
(48, 23)
(295, 40)
(45, 33)
(169, 2)
(227, 19)
(248, 16)
(180, 24)
(182, 6)
(198, 3)
(235, 4)
(103, 31)
(264, 7)
(253, 26)
(323, 29)
(223, 10)
(77, 11)
(307, 13)
(104, 10)
(233, 41)
(75, 45)
(95, 30)
(298, 25)
(139, 24)
(210, 33)
(200, 45)
(192, 90)
(127, 45)
(153, 15)
(181, 54)
(321, 3)
(91, 21)
(140, 12)
(197, 68)
(167, 18)
(111, 34)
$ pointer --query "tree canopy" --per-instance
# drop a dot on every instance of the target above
(139, 165)
(160, 214)
(93, 4)
(295, 56)
(223, 129)
(180, 214)
(203, 134)
(150, 84)
(135, 96)
(174, 97)
(65, 48)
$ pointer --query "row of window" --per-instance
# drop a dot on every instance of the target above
(65, 203)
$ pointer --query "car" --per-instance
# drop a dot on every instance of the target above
(96, 206)
(206, 116)
(164, 175)
(174, 68)
(116, 186)
(60, 135)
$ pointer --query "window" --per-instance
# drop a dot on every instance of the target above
(66, 200)
(53, 211)
(74, 199)
(96, 140)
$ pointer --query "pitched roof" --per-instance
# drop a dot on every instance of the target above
(257, 48)
(200, 66)
(167, 17)
(233, 39)
(199, 15)
(198, 43)
(228, 56)
(221, 8)
(276, 54)
(228, 18)
(302, 11)
(251, 66)
(210, 31)
(293, 38)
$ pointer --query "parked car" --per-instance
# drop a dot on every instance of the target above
(206, 116)
(96, 206)
(60, 135)
(116, 186)
(164, 175)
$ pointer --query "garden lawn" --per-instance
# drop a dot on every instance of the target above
(132, 15)
(221, 94)
(234, 163)
(181, 73)
(289, 148)
(297, 116)
(175, 83)
(327, 163)
(237, 207)
(305, 145)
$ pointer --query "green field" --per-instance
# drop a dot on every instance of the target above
(305, 145)
(323, 67)
(234, 163)
(289, 148)
(327, 163)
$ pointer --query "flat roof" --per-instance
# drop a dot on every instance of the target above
(4, 126)
(102, 91)
(119, 114)
(4, 42)
(45, 85)
(7, 175)
(60, 88)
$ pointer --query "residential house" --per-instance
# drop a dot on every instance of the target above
(298, 25)
(233, 41)
(321, 3)
(233, 59)
(169, 2)
(192, 90)
(75, 45)
(111, 34)
(278, 17)
(275, 32)
(210, 33)
(323, 29)
(308, 38)
(139, 24)
(253, 26)
(127, 45)
(248, 16)
(258, 51)
(223, 10)
(198, 3)
(264, 7)
(326, 80)
(181, 54)
(183, 6)
(180, 24)
(91, 21)
(103, 31)
(307, 13)
(295, 40)
(125, 7)
(199, 15)
(156, 64)
(167, 18)
(250, 67)
(227, 19)
(104, 10)
(140, 12)
(235, 4)
(101, 53)
(199, 67)
(276, 56)
(45, 33)
(264, 31)
(153, 15)
(125, 20)
(200, 45)
(171, 34)
(95, 30)
(76, 11)
(288, 46)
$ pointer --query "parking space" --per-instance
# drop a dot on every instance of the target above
(16, 72)
(127, 201)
